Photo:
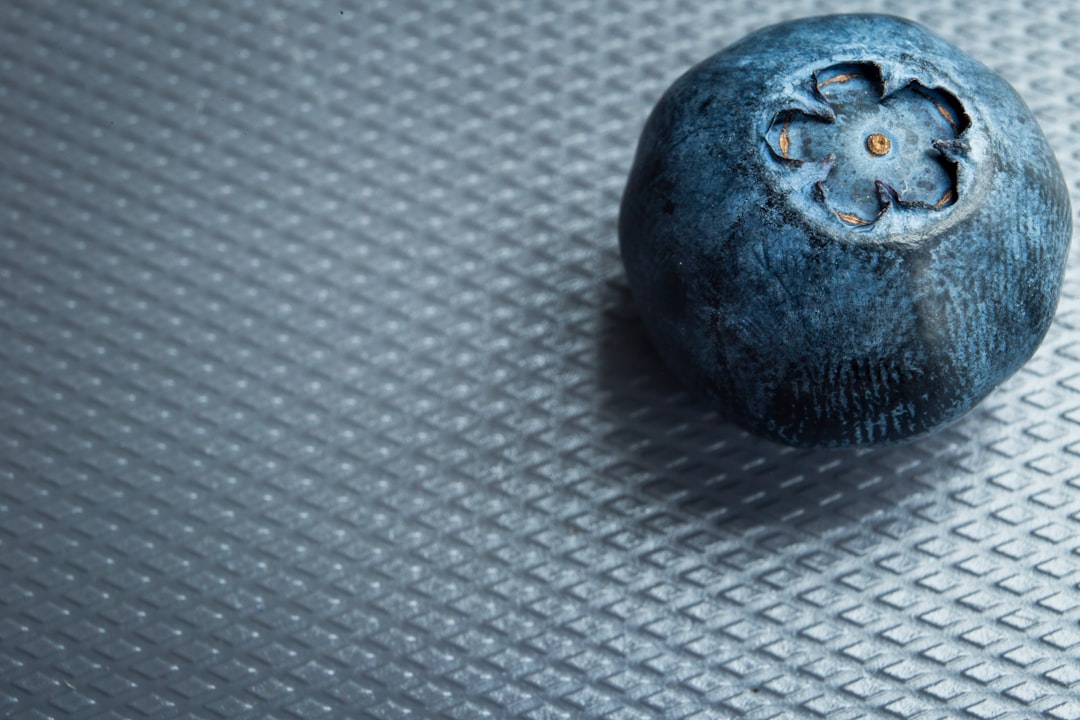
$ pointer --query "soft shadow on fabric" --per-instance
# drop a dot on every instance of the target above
(678, 450)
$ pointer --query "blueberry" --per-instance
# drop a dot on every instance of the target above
(844, 231)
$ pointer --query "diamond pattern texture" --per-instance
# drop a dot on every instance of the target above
(323, 395)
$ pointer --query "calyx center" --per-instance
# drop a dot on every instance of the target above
(878, 144)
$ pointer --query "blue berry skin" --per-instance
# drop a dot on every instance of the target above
(827, 288)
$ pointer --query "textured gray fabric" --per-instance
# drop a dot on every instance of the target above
(322, 394)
